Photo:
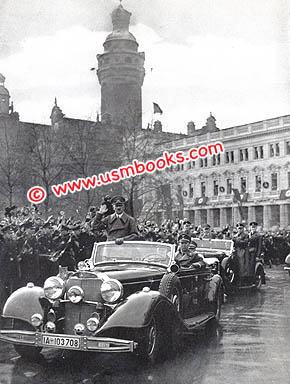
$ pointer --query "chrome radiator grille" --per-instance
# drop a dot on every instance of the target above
(90, 286)
(81, 312)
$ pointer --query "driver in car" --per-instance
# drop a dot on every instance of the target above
(186, 256)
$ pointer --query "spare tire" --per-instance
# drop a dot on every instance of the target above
(170, 287)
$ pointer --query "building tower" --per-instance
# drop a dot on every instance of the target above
(4, 97)
(121, 73)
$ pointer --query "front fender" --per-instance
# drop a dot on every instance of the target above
(23, 303)
(137, 309)
(214, 286)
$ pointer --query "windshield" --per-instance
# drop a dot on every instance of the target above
(216, 244)
(146, 252)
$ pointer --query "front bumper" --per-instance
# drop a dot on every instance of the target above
(84, 343)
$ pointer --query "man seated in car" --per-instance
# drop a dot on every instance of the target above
(186, 257)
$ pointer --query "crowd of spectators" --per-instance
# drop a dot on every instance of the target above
(32, 248)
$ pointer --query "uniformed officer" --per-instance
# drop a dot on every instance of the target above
(119, 225)
(241, 259)
(255, 247)
(185, 256)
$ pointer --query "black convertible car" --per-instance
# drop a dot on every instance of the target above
(128, 297)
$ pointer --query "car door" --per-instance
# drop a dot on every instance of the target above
(195, 285)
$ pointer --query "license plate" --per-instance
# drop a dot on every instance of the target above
(61, 342)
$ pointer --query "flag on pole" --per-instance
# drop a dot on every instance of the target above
(157, 109)
(237, 195)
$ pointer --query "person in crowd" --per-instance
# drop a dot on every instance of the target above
(186, 257)
(119, 225)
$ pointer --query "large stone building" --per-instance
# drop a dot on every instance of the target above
(255, 162)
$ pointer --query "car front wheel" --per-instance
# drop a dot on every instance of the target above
(25, 351)
(150, 349)
(258, 279)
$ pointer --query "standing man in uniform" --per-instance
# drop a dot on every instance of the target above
(119, 225)
(255, 247)
(241, 264)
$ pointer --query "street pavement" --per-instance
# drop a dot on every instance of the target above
(250, 346)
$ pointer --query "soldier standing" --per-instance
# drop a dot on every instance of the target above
(255, 247)
(119, 225)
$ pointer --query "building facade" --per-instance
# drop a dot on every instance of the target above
(255, 162)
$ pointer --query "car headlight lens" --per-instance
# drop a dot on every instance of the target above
(75, 294)
(111, 290)
(36, 319)
(53, 287)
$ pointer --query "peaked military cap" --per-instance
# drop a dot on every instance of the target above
(118, 200)
(184, 236)
(240, 225)
(193, 243)
(254, 223)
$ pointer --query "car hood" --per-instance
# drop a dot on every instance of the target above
(130, 273)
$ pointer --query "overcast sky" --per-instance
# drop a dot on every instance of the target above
(228, 57)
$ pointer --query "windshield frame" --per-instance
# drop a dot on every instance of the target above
(130, 261)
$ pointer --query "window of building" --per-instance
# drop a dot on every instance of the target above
(178, 167)
(215, 188)
(287, 147)
(193, 164)
(274, 150)
(229, 186)
(202, 188)
(277, 149)
(189, 165)
(241, 155)
(182, 167)
(271, 150)
(190, 190)
(274, 181)
(259, 152)
(203, 163)
(216, 159)
(243, 184)
(230, 157)
(288, 179)
(244, 154)
(258, 183)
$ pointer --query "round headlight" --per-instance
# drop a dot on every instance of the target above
(111, 290)
(93, 323)
(53, 287)
(36, 319)
(75, 294)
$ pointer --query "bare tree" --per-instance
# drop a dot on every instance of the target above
(12, 162)
(47, 157)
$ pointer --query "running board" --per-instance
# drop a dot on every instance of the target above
(197, 321)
